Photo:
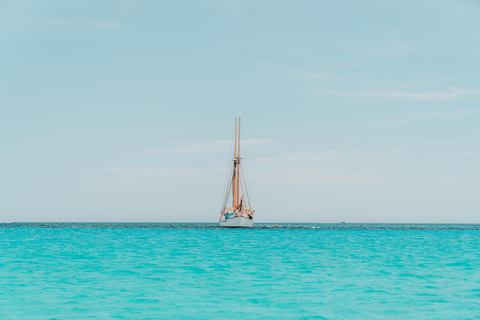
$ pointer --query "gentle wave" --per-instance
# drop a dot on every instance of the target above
(288, 226)
(201, 271)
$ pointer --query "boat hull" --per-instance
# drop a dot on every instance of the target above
(236, 222)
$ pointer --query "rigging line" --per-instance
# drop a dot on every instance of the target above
(246, 165)
(246, 192)
(227, 193)
(227, 190)
(226, 198)
(227, 185)
(242, 185)
(228, 178)
(246, 181)
(228, 163)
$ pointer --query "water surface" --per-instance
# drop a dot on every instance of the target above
(154, 270)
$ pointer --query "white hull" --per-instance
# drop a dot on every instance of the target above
(236, 222)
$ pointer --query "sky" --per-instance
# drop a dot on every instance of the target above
(357, 111)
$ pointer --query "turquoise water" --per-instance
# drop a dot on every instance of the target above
(148, 271)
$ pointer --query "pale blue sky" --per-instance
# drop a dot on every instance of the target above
(357, 111)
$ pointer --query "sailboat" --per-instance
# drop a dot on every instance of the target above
(240, 214)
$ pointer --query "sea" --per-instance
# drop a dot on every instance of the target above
(201, 271)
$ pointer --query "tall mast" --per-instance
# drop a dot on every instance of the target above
(234, 178)
(238, 164)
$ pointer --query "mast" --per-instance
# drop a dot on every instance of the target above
(238, 164)
(234, 178)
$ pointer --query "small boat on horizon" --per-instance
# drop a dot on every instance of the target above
(240, 214)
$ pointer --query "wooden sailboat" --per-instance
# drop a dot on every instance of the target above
(240, 214)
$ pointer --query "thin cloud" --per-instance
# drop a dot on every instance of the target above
(448, 179)
(150, 171)
(106, 24)
(98, 24)
(310, 176)
(160, 171)
(313, 156)
(297, 72)
(210, 146)
(396, 30)
(391, 51)
(330, 151)
(301, 156)
(443, 113)
(453, 92)
(439, 142)
(404, 119)
(450, 54)
(265, 160)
